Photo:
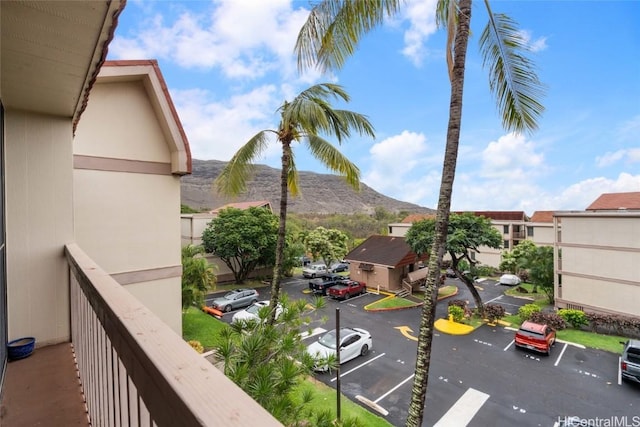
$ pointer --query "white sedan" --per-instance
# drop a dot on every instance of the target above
(509, 279)
(252, 312)
(354, 342)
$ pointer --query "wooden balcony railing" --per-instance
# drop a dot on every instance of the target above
(136, 371)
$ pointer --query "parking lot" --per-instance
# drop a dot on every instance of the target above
(495, 383)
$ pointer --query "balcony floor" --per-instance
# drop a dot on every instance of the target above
(43, 390)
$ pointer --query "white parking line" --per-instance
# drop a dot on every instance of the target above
(561, 353)
(393, 389)
(358, 367)
(510, 344)
(461, 413)
(495, 299)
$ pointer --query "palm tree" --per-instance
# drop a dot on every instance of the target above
(303, 119)
(331, 34)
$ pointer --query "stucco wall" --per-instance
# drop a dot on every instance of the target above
(598, 255)
(128, 220)
(39, 211)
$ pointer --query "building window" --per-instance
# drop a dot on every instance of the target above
(505, 244)
(530, 231)
(505, 229)
(472, 255)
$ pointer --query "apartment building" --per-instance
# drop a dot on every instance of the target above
(595, 255)
(91, 158)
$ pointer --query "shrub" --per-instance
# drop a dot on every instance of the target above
(464, 305)
(456, 312)
(527, 310)
(486, 271)
(576, 318)
(196, 346)
(494, 312)
(458, 302)
(523, 275)
(551, 319)
(611, 323)
(522, 290)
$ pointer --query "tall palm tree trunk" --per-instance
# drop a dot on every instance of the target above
(284, 193)
(418, 395)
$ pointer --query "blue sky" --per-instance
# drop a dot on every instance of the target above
(229, 65)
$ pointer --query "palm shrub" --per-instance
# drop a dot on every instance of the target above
(198, 276)
(527, 310)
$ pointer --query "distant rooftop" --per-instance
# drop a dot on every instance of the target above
(244, 205)
(499, 215)
(542, 216)
(614, 201)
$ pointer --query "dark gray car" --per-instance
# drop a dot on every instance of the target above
(235, 299)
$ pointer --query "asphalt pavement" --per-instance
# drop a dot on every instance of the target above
(478, 379)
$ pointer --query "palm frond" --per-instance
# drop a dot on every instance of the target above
(233, 178)
(333, 159)
(512, 76)
(292, 177)
(333, 29)
(313, 114)
(446, 16)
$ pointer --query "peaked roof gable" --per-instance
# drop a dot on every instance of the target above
(390, 251)
(149, 73)
(614, 201)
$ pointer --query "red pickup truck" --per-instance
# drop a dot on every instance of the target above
(347, 288)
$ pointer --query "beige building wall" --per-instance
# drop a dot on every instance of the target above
(595, 271)
(192, 226)
(543, 234)
(39, 219)
(123, 187)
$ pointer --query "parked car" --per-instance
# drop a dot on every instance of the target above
(509, 279)
(354, 342)
(630, 361)
(450, 272)
(235, 299)
(339, 267)
(322, 285)
(534, 336)
(347, 288)
(315, 270)
(252, 312)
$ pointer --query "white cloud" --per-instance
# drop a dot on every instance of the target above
(216, 129)
(400, 166)
(536, 45)
(628, 155)
(511, 157)
(422, 24)
(630, 129)
(244, 38)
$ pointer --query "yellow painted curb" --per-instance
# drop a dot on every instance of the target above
(452, 328)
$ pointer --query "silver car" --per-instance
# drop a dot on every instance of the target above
(235, 299)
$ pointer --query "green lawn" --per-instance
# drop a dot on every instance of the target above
(200, 326)
(325, 399)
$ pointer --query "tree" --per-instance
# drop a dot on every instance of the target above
(328, 244)
(330, 35)
(268, 361)
(198, 276)
(242, 239)
(538, 261)
(515, 259)
(303, 119)
(466, 233)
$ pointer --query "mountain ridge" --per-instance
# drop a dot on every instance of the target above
(318, 193)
